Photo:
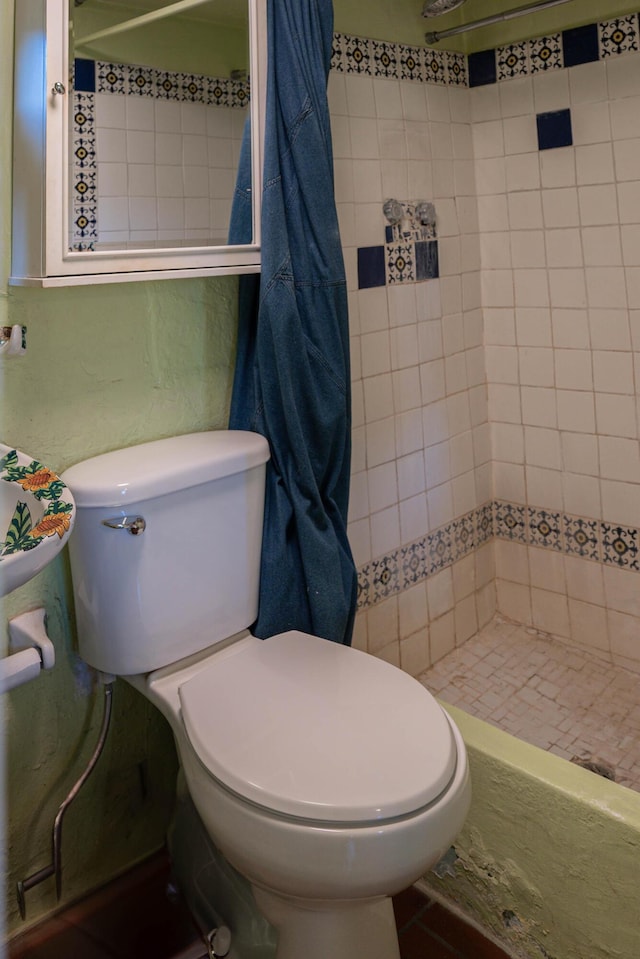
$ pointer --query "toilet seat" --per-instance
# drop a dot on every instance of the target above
(318, 731)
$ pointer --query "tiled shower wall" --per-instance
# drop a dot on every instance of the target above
(421, 450)
(560, 241)
(539, 279)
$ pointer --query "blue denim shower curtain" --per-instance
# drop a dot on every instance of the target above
(292, 381)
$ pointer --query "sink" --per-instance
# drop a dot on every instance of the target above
(37, 512)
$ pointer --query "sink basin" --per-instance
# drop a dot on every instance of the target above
(37, 512)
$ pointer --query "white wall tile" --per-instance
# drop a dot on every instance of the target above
(492, 213)
(142, 179)
(409, 431)
(619, 459)
(381, 442)
(623, 78)
(629, 202)
(438, 103)
(546, 569)
(542, 447)
(523, 172)
(594, 163)
(520, 134)
(581, 495)
(143, 213)
(516, 97)
(375, 352)
(589, 625)
(385, 531)
(406, 389)
(558, 168)
(551, 90)
(378, 397)
(571, 328)
(567, 288)
(616, 415)
(598, 205)
(606, 287)
(110, 111)
(539, 406)
(414, 521)
(413, 610)
(625, 118)
(170, 213)
(613, 372)
(533, 326)
(140, 146)
(544, 486)
(564, 247)
(601, 246)
(573, 369)
(590, 124)
(631, 245)
(623, 637)
(560, 207)
(620, 502)
(112, 179)
(588, 82)
(382, 486)
(576, 412)
(580, 453)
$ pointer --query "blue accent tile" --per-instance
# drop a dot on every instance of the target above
(482, 68)
(580, 45)
(427, 260)
(388, 234)
(554, 129)
(85, 76)
(371, 270)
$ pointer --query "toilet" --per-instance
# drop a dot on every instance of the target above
(329, 779)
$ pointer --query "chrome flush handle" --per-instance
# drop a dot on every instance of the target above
(134, 525)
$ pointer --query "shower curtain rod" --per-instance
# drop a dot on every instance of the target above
(158, 14)
(496, 18)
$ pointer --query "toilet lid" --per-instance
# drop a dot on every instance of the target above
(317, 730)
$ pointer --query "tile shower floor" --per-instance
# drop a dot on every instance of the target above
(554, 696)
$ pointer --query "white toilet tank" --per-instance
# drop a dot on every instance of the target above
(190, 578)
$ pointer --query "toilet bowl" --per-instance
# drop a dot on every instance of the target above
(328, 778)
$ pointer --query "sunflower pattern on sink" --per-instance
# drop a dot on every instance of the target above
(43, 484)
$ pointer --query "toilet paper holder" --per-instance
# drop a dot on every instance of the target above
(31, 650)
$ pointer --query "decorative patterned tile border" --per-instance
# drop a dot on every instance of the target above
(607, 543)
(396, 61)
(84, 201)
(594, 41)
(391, 574)
(136, 80)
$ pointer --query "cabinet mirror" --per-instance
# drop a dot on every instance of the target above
(145, 106)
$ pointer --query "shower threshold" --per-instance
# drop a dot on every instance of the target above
(563, 699)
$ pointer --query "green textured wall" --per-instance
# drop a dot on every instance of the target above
(549, 858)
(106, 366)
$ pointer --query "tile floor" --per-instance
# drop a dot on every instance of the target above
(554, 696)
(133, 918)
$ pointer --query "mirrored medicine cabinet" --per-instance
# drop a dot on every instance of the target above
(128, 123)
